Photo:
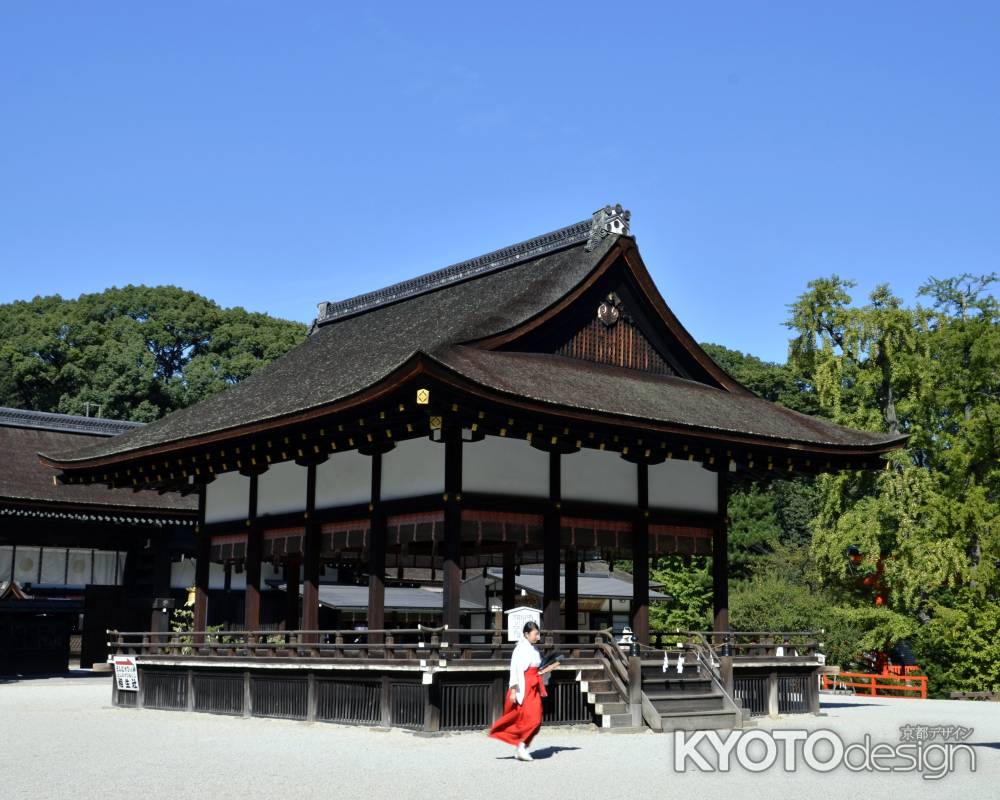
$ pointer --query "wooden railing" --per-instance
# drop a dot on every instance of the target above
(747, 644)
(413, 644)
(913, 687)
(695, 647)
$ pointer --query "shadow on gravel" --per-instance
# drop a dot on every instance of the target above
(73, 673)
(993, 745)
(845, 705)
(543, 753)
(540, 754)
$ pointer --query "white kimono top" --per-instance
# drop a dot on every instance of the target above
(524, 657)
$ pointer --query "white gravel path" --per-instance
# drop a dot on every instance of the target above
(62, 739)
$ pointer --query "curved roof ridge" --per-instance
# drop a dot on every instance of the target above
(463, 270)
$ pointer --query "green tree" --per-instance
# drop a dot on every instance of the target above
(928, 527)
(689, 582)
(136, 352)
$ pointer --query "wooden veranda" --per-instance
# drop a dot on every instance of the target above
(439, 679)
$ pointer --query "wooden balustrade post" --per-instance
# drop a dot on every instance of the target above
(635, 689)
(772, 694)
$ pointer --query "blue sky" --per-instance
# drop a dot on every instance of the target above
(272, 155)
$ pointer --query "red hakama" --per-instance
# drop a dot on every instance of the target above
(520, 723)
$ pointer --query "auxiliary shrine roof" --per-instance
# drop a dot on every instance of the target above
(27, 486)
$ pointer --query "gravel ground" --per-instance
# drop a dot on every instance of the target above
(62, 739)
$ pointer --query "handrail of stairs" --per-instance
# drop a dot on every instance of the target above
(695, 642)
(615, 660)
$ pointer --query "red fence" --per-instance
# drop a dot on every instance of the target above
(913, 687)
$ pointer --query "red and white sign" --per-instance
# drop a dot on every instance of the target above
(126, 674)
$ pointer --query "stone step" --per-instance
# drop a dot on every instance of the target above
(677, 686)
(668, 695)
(616, 720)
(700, 720)
(694, 702)
(609, 696)
(652, 670)
(610, 705)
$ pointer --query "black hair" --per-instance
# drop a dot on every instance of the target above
(530, 625)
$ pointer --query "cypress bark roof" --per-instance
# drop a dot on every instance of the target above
(346, 356)
(443, 319)
(623, 392)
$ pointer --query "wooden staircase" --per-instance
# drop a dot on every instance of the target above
(609, 705)
(689, 700)
(629, 690)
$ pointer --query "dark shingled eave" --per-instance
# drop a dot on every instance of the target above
(515, 375)
(529, 395)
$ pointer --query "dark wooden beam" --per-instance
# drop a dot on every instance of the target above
(720, 558)
(640, 559)
(255, 551)
(227, 590)
(202, 565)
(311, 545)
(551, 547)
(292, 564)
(508, 579)
(160, 621)
(451, 550)
(376, 551)
(572, 594)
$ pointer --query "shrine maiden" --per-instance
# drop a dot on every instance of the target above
(522, 710)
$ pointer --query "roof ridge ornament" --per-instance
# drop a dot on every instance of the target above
(606, 221)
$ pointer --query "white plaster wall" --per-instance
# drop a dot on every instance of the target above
(683, 486)
(599, 476)
(497, 465)
(182, 575)
(227, 497)
(282, 489)
(53, 562)
(413, 468)
(344, 479)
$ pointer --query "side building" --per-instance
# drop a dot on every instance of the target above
(78, 560)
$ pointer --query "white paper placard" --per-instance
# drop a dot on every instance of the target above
(126, 674)
(516, 619)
